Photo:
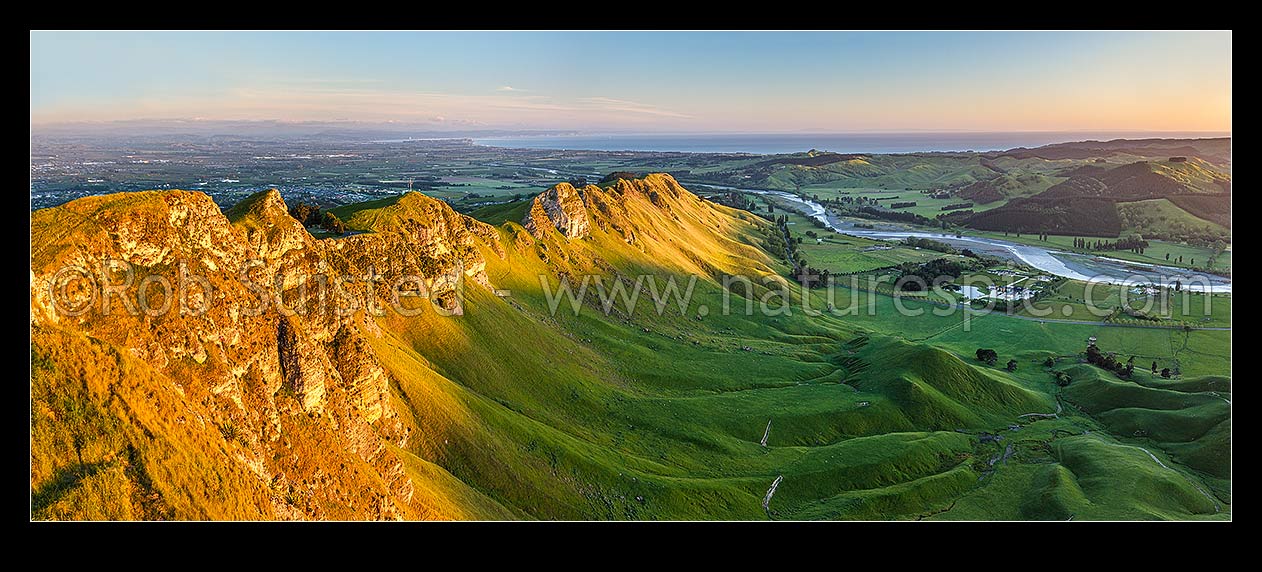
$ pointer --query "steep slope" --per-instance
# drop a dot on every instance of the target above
(1087, 202)
(278, 380)
(1005, 186)
(509, 397)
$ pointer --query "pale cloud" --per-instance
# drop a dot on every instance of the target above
(623, 105)
(347, 100)
(509, 88)
(334, 81)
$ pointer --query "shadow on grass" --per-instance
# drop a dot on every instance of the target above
(62, 482)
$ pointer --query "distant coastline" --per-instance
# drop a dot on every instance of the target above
(773, 143)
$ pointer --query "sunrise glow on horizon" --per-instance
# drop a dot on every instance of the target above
(645, 81)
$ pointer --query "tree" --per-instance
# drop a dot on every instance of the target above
(1049, 362)
(614, 176)
(1165, 372)
(1154, 367)
(331, 223)
(305, 213)
(987, 355)
(1012, 365)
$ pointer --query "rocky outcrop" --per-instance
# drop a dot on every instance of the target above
(369, 385)
(560, 207)
(305, 371)
(261, 325)
(235, 356)
(574, 212)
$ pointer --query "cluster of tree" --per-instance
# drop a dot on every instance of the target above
(1062, 378)
(1131, 313)
(311, 215)
(957, 206)
(809, 276)
(1174, 229)
(1213, 258)
(989, 356)
(848, 200)
(304, 213)
(1216, 250)
(871, 208)
(936, 271)
(735, 200)
(614, 176)
(1055, 215)
(930, 244)
(1165, 371)
(956, 216)
(1134, 243)
(903, 204)
(1109, 362)
(868, 212)
(331, 223)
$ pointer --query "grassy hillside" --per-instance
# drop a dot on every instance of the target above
(1089, 201)
(599, 410)
(1162, 218)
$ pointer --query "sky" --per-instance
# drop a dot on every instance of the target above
(680, 82)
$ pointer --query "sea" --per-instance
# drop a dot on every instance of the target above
(883, 142)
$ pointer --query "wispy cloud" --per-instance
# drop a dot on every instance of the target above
(509, 88)
(622, 105)
(334, 81)
(362, 101)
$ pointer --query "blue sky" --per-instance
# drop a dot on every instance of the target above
(645, 81)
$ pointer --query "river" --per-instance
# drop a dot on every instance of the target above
(1069, 265)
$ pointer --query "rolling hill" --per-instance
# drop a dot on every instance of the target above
(283, 376)
(1087, 202)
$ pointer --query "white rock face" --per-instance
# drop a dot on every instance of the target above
(561, 207)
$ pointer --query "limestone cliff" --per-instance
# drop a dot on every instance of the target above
(573, 211)
(238, 313)
(191, 363)
(561, 207)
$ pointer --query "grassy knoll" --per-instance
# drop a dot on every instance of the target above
(877, 409)
(864, 407)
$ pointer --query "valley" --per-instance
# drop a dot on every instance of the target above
(503, 395)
